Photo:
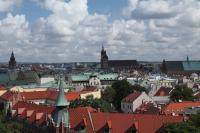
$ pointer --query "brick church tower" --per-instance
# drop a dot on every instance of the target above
(104, 59)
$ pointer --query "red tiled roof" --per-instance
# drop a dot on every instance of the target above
(9, 95)
(163, 91)
(147, 108)
(131, 97)
(39, 95)
(2, 88)
(96, 121)
(120, 122)
(197, 95)
(32, 112)
(178, 107)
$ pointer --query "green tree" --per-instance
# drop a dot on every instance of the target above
(122, 89)
(184, 127)
(94, 103)
(191, 126)
(139, 88)
(7, 125)
(182, 92)
(108, 94)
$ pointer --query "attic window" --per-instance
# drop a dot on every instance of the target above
(106, 130)
(132, 131)
(82, 128)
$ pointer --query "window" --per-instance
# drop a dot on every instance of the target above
(107, 130)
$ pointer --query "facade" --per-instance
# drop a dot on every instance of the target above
(130, 103)
(93, 79)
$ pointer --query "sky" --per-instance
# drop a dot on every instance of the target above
(75, 30)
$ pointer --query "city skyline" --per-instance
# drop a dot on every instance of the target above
(75, 30)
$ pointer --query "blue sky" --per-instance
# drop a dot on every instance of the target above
(74, 30)
(33, 11)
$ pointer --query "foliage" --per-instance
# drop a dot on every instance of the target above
(182, 92)
(108, 94)
(139, 88)
(184, 127)
(8, 126)
(122, 89)
(191, 126)
(90, 101)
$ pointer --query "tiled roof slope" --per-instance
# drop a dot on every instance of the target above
(179, 107)
(39, 95)
(163, 91)
(131, 97)
(97, 121)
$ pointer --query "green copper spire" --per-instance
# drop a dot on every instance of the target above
(61, 100)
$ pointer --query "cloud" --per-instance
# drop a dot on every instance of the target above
(150, 30)
(6, 5)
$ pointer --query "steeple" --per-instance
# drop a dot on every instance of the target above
(61, 114)
(61, 100)
(104, 58)
(12, 62)
(188, 60)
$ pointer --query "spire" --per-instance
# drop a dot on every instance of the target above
(188, 59)
(61, 100)
(102, 47)
(12, 62)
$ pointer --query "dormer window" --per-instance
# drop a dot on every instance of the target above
(107, 130)
(82, 128)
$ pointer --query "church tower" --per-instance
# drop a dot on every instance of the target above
(12, 62)
(104, 59)
(61, 115)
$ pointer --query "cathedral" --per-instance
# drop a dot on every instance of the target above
(117, 65)
(12, 62)
(104, 59)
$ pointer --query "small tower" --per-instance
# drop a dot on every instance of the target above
(61, 115)
(104, 59)
(12, 62)
(188, 60)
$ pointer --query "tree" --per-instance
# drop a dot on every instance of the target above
(182, 92)
(191, 126)
(184, 127)
(109, 94)
(122, 89)
(7, 125)
(94, 103)
(139, 88)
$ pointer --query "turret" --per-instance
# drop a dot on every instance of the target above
(12, 62)
(61, 115)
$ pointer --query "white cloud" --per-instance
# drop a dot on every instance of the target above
(6, 5)
(152, 30)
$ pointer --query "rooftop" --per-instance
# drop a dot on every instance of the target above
(131, 97)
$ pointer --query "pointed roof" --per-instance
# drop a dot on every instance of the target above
(61, 101)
